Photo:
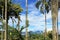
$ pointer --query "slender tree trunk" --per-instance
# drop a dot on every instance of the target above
(6, 27)
(45, 28)
(2, 19)
(26, 19)
(57, 27)
(57, 20)
(45, 24)
(54, 8)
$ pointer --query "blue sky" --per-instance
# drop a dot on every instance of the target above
(36, 19)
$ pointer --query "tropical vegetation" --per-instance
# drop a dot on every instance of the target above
(9, 10)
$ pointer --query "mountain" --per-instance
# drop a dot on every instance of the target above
(32, 32)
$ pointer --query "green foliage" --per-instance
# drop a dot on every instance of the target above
(13, 9)
(50, 34)
(45, 6)
(13, 33)
(37, 4)
(33, 36)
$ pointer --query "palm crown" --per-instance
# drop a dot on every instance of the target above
(13, 9)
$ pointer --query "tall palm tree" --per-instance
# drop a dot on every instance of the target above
(6, 27)
(54, 7)
(44, 5)
(26, 19)
(45, 34)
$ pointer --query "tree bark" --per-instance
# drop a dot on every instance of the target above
(6, 27)
(45, 28)
(2, 19)
(26, 19)
(57, 27)
(54, 7)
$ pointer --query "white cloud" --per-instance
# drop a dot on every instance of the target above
(59, 15)
(49, 29)
(36, 19)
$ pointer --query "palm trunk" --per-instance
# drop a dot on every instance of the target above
(6, 27)
(45, 24)
(57, 27)
(2, 19)
(45, 27)
(54, 8)
(26, 20)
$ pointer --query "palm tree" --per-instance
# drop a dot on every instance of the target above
(45, 27)
(16, 9)
(54, 7)
(6, 27)
(27, 19)
(44, 5)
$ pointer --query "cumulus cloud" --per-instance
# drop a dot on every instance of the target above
(36, 19)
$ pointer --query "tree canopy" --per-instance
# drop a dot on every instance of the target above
(43, 5)
(13, 9)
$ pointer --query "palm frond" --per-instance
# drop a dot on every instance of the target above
(44, 2)
(42, 10)
(47, 7)
(13, 20)
(37, 4)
